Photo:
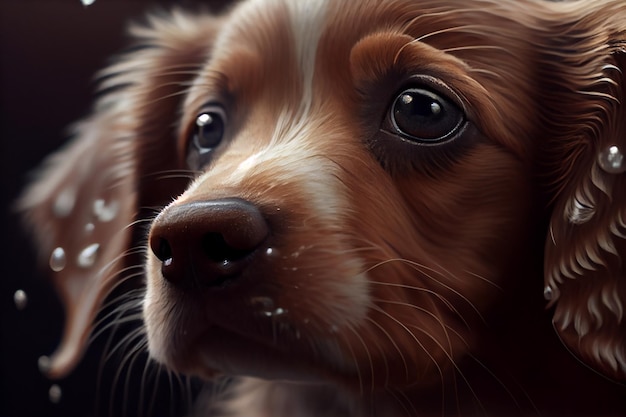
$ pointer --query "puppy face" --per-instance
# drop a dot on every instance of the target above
(369, 181)
(388, 202)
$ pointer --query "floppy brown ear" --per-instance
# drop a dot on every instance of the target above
(122, 159)
(585, 255)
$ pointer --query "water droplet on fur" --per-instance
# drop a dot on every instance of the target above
(20, 299)
(87, 2)
(269, 251)
(64, 203)
(89, 228)
(55, 393)
(57, 259)
(87, 257)
(548, 293)
(168, 262)
(43, 363)
(277, 312)
(611, 160)
(105, 212)
(265, 302)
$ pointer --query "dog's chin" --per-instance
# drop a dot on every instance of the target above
(218, 351)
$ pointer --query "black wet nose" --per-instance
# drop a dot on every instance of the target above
(207, 243)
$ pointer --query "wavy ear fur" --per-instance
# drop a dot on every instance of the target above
(585, 254)
(85, 202)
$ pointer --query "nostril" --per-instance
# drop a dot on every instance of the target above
(163, 251)
(216, 249)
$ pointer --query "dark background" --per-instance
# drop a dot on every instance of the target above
(49, 51)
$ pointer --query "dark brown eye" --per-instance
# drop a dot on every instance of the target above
(206, 134)
(209, 130)
(425, 117)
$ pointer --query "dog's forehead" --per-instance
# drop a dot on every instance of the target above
(311, 41)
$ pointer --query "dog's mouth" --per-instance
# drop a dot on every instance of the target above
(221, 351)
(218, 350)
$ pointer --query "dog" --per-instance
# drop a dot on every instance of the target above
(363, 208)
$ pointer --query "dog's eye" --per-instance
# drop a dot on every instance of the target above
(206, 134)
(209, 130)
(425, 117)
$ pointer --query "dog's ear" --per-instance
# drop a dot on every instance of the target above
(585, 255)
(86, 199)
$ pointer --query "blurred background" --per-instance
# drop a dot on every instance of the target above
(49, 51)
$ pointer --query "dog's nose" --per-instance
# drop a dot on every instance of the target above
(207, 243)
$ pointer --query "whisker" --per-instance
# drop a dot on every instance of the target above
(395, 345)
(138, 350)
(414, 337)
(402, 399)
(421, 267)
(155, 390)
(474, 48)
(502, 384)
(441, 298)
(454, 364)
(369, 357)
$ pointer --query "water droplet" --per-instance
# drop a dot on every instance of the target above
(64, 203)
(611, 160)
(57, 259)
(89, 228)
(105, 212)
(55, 393)
(87, 2)
(20, 299)
(548, 293)
(265, 305)
(87, 257)
(168, 262)
(279, 311)
(269, 251)
(43, 363)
